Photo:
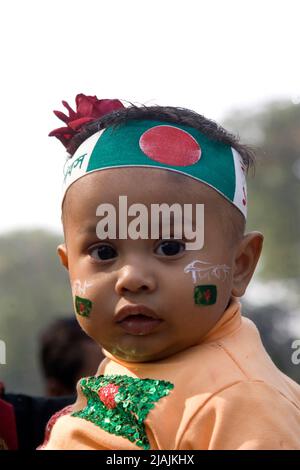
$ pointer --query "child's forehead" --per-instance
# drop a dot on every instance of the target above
(143, 183)
(106, 186)
(140, 186)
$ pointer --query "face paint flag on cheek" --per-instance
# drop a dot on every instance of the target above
(155, 144)
(83, 306)
(205, 295)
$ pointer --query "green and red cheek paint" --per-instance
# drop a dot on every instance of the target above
(83, 306)
(205, 295)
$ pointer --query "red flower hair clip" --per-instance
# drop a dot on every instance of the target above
(89, 108)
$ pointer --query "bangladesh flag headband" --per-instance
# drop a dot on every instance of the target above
(157, 144)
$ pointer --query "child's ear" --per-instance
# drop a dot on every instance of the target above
(246, 259)
(63, 254)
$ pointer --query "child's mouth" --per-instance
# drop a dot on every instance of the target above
(139, 324)
(137, 319)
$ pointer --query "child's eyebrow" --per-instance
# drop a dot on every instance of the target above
(91, 227)
(87, 229)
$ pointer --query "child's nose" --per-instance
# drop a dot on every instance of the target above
(133, 279)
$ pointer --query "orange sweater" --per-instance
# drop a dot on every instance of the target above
(224, 393)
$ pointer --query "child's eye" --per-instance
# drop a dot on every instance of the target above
(170, 248)
(103, 252)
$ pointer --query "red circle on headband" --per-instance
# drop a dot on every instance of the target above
(170, 145)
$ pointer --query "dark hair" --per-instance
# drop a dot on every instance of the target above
(61, 352)
(169, 114)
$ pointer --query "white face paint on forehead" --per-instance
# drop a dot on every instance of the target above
(203, 270)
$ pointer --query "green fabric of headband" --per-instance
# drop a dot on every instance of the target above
(158, 144)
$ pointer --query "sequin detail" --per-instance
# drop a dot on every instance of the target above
(119, 404)
(107, 395)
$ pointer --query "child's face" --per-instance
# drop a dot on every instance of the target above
(145, 272)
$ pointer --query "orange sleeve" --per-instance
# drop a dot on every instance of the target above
(247, 415)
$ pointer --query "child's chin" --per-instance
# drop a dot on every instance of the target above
(137, 353)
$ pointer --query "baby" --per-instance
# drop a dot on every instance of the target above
(154, 211)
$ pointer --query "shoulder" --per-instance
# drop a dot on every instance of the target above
(245, 415)
(65, 411)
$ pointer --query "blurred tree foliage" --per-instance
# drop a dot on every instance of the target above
(33, 290)
(274, 192)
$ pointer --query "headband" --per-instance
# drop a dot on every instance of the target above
(158, 144)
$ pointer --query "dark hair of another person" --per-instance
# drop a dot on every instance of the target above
(61, 351)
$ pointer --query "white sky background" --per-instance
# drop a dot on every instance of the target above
(208, 56)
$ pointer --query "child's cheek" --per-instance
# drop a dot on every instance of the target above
(208, 279)
(82, 304)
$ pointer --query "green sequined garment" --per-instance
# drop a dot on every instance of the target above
(119, 404)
